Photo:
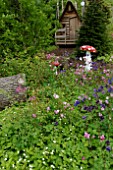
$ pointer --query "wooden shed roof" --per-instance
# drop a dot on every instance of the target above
(66, 8)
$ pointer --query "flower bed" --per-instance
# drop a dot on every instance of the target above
(66, 123)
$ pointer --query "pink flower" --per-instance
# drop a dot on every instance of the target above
(100, 114)
(32, 98)
(111, 94)
(48, 108)
(93, 136)
(20, 89)
(86, 135)
(108, 74)
(83, 158)
(56, 111)
(100, 101)
(104, 71)
(102, 137)
(62, 115)
(103, 78)
(106, 101)
(34, 115)
(102, 108)
(71, 108)
(64, 103)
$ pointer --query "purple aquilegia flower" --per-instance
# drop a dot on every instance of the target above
(109, 81)
(84, 117)
(101, 116)
(108, 148)
(95, 95)
(77, 103)
(107, 142)
(55, 123)
(103, 105)
(100, 89)
(110, 90)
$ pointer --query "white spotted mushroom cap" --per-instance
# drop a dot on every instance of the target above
(88, 48)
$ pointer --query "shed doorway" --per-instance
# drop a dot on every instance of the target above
(73, 25)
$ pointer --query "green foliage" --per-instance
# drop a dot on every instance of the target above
(94, 29)
(25, 26)
(48, 130)
(35, 69)
(106, 58)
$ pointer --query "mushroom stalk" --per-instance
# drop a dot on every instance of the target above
(88, 61)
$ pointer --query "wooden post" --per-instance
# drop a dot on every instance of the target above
(57, 9)
(62, 6)
(83, 7)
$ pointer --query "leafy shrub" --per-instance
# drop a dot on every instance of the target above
(25, 26)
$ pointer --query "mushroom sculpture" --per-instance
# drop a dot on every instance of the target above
(56, 64)
(88, 59)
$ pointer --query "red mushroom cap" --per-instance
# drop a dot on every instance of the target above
(88, 48)
(55, 63)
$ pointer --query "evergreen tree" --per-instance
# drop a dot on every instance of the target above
(94, 27)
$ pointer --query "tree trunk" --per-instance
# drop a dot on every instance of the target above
(12, 89)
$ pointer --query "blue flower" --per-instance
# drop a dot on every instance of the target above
(55, 123)
(77, 103)
(95, 95)
(110, 90)
(103, 105)
(108, 148)
(109, 81)
(100, 89)
(84, 117)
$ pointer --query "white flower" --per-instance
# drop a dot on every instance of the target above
(31, 166)
(52, 152)
(56, 96)
(21, 81)
(52, 166)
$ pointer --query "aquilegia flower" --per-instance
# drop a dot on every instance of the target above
(107, 142)
(34, 115)
(84, 117)
(108, 148)
(32, 98)
(77, 103)
(56, 111)
(86, 135)
(56, 96)
(48, 108)
(102, 137)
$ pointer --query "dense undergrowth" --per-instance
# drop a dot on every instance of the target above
(66, 122)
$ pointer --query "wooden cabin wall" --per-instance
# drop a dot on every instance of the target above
(72, 23)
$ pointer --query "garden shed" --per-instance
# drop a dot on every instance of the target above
(70, 22)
